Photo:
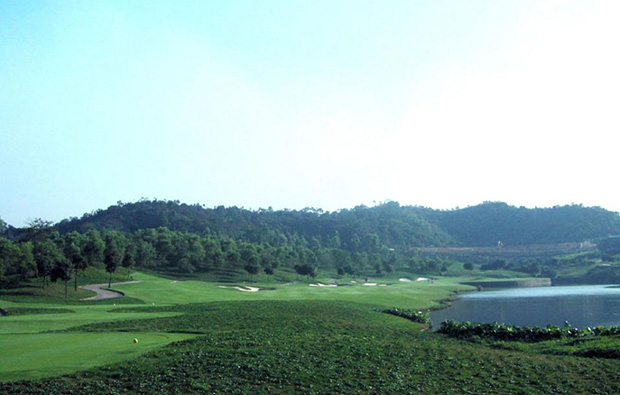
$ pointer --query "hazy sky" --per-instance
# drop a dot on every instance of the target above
(295, 104)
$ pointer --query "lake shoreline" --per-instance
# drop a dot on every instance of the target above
(539, 282)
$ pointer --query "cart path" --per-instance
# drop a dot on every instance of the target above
(103, 292)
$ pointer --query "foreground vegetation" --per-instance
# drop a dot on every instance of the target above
(286, 338)
(319, 347)
(505, 332)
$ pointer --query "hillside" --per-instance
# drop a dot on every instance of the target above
(388, 224)
(488, 223)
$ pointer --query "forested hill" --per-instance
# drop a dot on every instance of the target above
(355, 229)
(488, 223)
(387, 224)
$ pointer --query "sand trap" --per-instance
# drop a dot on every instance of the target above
(243, 289)
(404, 280)
(322, 285)
(370, 284)
(423, 279)
(354, 282)
(383, 285)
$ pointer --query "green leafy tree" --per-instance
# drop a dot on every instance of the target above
(38, 230)
(93, 247)
(468, 266)
(9, 257)
(231, 251)
(114, 253)
(73, 253)
(26, 265)
(129, 258)
(252, 269)
(146, 254)
(305, 270)
(62, 271)
(214, 257)
(46, 255)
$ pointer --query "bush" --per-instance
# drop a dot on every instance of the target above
(504, 332)
(416, 316)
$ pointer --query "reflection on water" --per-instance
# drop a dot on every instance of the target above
(582, 306)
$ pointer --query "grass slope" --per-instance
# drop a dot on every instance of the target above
(321, 347)
(414, 295)
(34, 356)
(294, 338)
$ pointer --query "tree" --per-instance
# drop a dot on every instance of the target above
(93, 247)
(249, 254)
(610, 245)
(46, 255)
(231, 251)
(38, 230)
(252, 269)
(129, 258)
(73, 253)
(468, 266)
(214, 257)
(9, 256)
(114, 253)
(61, 271)
(146, 254)
(305, 270)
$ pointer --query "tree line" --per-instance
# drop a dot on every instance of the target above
(362, 228)
(41, 252)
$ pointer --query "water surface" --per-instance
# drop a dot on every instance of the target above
(582, 306)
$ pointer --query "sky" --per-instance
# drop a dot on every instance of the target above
(293, 104)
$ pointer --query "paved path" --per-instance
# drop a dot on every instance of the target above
(105, 293)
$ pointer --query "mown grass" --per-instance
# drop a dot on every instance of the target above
(34, 356)
(77, 316)
(320, 347)
(413, 295)
(294, 339)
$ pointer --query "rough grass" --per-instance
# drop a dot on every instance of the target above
(594, 347)
(321, 347)
(294, 339)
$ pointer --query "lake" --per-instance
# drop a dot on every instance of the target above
(582, 306)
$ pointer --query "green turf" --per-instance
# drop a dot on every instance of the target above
(81, 315)
(292, 338)
(34, 356)
(396, 294)
(322, 347)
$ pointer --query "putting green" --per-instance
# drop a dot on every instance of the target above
(34, 356)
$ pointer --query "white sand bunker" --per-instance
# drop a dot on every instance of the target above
(322, 285)
(423, 279)
(243, 289)
(404, 280)
(370, 284)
